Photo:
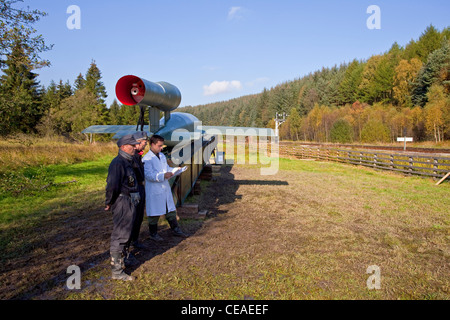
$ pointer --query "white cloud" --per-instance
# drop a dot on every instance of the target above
(234, 13)
(217, 87)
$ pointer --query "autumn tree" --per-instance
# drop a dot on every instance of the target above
(285, 130)
(405, 74)
(435, 109)
(356, 112)
(375, 131)
(418, 123)
(368, 87)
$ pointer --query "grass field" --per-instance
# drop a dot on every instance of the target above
(309, 232)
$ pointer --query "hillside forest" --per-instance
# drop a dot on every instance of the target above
(405, 90)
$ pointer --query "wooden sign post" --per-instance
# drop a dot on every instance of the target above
(405, 139)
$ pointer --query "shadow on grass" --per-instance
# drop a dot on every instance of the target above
(222, 191)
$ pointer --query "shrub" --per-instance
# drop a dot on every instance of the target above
(342, 131)
(375, 131)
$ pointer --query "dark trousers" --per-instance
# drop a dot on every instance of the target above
(123, 214)
(139, 215)
(170, 216)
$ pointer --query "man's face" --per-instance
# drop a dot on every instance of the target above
(157, 147)
(141, 146)
(128, 148)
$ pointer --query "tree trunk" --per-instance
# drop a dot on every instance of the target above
(435, 135)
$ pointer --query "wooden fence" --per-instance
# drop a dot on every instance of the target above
(408, 163)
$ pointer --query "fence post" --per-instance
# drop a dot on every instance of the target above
(392, 161)
(375, 156)
(435, 165)
(410, 165)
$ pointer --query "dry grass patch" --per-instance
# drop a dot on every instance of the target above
(310, 232)
(22, 151)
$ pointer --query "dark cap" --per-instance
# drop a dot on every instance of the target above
(140, 135)
(128, 139)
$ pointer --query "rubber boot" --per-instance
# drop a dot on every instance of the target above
(153, 229)
(176, 230)
(117, 266)
(129, 258)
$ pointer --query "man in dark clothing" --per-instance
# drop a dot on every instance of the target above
(138, 166)
(122, 197)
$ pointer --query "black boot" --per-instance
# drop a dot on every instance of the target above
(153, 229)
(176, 229)
(129, 258)
(117, 267)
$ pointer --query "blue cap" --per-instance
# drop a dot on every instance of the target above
(140, 135)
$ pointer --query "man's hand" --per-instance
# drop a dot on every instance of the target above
(107, 207)
(168, 175)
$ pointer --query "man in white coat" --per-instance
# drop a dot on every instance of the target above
(158, 195)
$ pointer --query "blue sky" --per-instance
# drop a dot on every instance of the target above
(215, 50)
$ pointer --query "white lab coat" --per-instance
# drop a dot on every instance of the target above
(157, 189)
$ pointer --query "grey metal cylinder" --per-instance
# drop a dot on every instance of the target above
(132, 90)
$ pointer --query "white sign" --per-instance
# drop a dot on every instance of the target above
(405, 139)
